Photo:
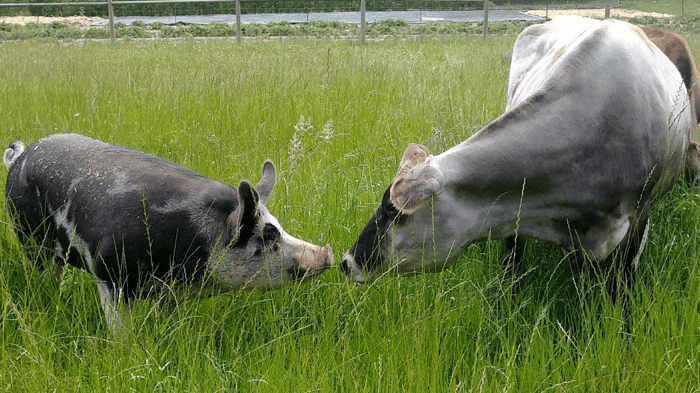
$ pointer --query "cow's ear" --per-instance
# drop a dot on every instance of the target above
(413, 156)
(416, 180)
(267, 182)
(247, 212)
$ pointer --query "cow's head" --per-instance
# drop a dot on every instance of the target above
(262, 254)
(402, 236)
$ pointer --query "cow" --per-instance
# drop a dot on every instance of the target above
(596, 128)
(133, 220)
(677, 50)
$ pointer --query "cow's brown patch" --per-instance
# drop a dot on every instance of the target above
(677, 50)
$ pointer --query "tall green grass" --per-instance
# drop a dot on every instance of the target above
(335, 118)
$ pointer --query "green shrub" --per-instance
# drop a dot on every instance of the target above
(97, 33)
(644, 20)
(156, 26)
(387, 27)
(167, 32)
(280, 29)
(254, 30)
(221, 29)
(132, 32)
(59, 30)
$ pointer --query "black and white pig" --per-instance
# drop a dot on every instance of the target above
(132, 219)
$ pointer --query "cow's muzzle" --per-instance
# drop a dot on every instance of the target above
(350, 269)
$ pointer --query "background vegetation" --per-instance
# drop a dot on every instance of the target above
(335, 117)
(247, 7)
(674, 7)
(689, 24)
(320, 29)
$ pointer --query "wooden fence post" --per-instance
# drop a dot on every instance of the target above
(362, 21)
(110, 11)
(238, 21)
(486, 18)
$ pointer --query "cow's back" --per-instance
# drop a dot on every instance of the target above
(615, 82)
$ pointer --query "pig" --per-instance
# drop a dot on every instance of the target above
(134, 220)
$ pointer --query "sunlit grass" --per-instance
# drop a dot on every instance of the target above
(335, 118)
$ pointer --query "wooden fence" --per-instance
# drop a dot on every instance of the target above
(110, 11)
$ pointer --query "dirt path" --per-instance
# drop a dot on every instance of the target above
(597, 13)
(82, 21)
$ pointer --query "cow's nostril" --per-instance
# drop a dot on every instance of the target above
(344, 266)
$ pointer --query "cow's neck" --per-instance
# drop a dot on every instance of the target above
(507, 179)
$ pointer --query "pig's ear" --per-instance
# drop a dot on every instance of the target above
(416, 180)
(267, 182)
(247, 218)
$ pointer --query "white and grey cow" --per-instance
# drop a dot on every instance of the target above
(132, 219)
(596, 128)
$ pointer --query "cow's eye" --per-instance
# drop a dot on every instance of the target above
(389, 212)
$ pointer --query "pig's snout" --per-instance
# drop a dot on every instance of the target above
(327, 256)
(316, 257)
(312, 262)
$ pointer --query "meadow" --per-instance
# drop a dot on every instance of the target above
(335, 117)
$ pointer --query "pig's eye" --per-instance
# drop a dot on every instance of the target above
(271, 236)
(269, 241)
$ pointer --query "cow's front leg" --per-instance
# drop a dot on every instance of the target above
(628, 260)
